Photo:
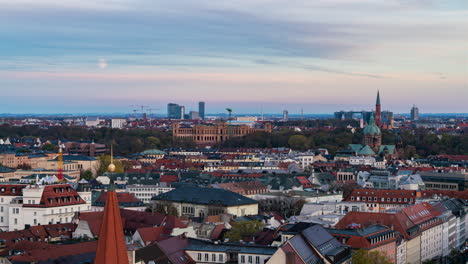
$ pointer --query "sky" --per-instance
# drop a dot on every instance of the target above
(80, 56)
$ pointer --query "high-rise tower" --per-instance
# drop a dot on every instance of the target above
(378, 111)
(414, 113)
(201, 110)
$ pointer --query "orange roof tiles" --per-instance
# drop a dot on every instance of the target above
(111, 243)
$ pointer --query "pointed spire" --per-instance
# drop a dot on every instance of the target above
(111, 244)
(378, 98)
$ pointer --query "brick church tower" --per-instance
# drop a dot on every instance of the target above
(378, 111)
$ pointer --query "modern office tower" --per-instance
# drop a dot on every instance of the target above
(285, 115)
(201, 110)
(414, 113)
(173, 111)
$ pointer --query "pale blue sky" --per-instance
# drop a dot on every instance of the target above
(102, 56)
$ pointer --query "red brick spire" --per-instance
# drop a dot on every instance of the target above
(111, 243)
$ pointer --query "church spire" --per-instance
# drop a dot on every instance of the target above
(378, 98)
(111, 243)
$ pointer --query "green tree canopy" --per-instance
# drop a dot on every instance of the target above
(299, 142)
(243, 229)
(49, 147)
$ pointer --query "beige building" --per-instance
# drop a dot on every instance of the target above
(212, 134)
(201, 202)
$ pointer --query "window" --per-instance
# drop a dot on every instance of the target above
(250, 259)
(16, 221)
(257, 260)
(242, 259)
(199, 257)
(213, 257)
(220, 257)
(1, 219)
(35, 221)
(207, 257)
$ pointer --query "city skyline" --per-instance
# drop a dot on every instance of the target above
(69, 57)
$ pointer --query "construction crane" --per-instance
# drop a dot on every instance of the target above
(142, 107)
(150, 110)
(229, 110)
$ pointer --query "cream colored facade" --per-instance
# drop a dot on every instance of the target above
(202, 210)
(413, 252)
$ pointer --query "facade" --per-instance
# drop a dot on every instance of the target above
(32, 205)
(212, 134)
(118, 123)
(146, 192)
(211, 252)
(200, 202)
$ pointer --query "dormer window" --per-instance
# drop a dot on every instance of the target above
(13, 190)
(2, 189)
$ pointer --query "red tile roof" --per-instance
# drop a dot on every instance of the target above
(389, 196)
(152, 234)
(122, 197)
(11, 189)
(57, 195)
(111, 243)
(132, 220)
(169, 178)
(440, 193)
(400, 222)
(39, 251)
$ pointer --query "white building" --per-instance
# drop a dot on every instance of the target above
(146, 192)
(22, 205)
(118, 122)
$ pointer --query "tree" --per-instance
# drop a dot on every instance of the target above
(299, 142)
(87, 175)
(104, 161)
(364, 257)
(243, 229)
(49, 147)
(164, 207)
(153, 142)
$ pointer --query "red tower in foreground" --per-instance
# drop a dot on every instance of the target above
(378, 111)
(111, 243)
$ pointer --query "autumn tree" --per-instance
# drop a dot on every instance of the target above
(365, 257)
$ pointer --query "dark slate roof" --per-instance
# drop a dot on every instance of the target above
(200, 245)
(5, 169)
(198, 195)
(323, 241)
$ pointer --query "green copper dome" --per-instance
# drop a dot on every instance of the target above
(371, 128)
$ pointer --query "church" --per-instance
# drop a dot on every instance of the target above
(372, 143)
